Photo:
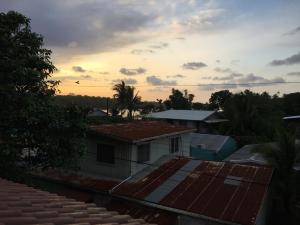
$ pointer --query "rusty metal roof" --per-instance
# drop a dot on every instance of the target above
(138, 130)
(217, 190)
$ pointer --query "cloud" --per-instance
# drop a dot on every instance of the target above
(129, 81)
(156, 81)
(229, 77)
(74, 78)
(176, 76)
(78, 69)
(206, 78)
(86, 76)
(223, 70)
(235, 61)
(160, 45)
(293, 32)
(104, 73)
(180, 38)
(294, 59)
(193, 65)
(294, 74)
(218, 61)
(141, 51)
(249, 80)
(132, 72)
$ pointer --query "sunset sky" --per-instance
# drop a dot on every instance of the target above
(157, 45)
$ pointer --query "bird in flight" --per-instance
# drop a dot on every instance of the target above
(77, 82)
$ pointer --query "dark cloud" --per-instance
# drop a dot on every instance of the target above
(129, 81)
(218, 61)
(156, 81)
(293, 32)
(74, 78)
(223, 70)
(294, 74)
(294, 59)
(84, 26)
(141, 51)
(132, 72)
(176, 76)
(193, 65)
(160, 45)
(78, 69)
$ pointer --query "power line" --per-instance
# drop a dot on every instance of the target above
(200, 85)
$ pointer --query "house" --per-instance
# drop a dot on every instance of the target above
(202, 120)
(211, 147)
(21, 204)
(245, 155)
(120, 150)
(202, 192)
(97, 113)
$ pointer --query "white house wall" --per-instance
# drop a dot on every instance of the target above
(119, 170)
(158, 148)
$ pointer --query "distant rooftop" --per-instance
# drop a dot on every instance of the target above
(195, 115)
(246, 156)
(210, 141)
(20, 204)
(139, 130)
(297, 117)
(216, 191)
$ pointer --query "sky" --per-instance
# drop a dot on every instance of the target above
(199, 45)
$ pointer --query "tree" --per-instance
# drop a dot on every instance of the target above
(282, 156)
(126, 98)
(31, 126)
(218, 99)
(179, 100)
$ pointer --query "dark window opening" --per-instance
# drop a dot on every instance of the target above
(105, 153)
(143, 153)
(174, 145)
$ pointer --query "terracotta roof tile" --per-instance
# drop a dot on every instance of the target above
(139, 130)
(20, 204)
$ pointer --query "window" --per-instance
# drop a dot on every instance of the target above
(105, 153)
(174, 145)
(143, 153)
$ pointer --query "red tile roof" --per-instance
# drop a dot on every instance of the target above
(20, 204)
(139, 130)
(217, 190)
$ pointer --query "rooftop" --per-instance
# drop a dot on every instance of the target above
(210, 141)
(20, 204)
(217, 191)
(245, 156)
(195, 115)
(292, 117)
(139, 130)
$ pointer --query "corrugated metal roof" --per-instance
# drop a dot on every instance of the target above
(219, 190)
(195, 115)
(139, 130)
(245, 155)
(209, 141)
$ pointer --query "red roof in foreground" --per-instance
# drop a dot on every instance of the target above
(139, 130)
(218, 190)
(20, 204)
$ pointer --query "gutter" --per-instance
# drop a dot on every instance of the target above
(111, 190)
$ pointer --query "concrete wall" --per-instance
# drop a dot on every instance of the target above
(160, 147)
(119, 170)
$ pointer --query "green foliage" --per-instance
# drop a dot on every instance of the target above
(33, 131)
(218, 99)
(179, 100)
(291, 104)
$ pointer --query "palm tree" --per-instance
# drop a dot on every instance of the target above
(133, 101)
(282, 156)
(126, 98)
(120, 96)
